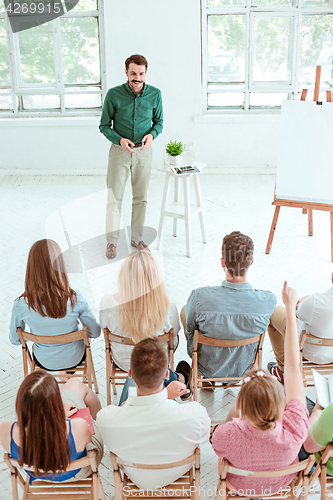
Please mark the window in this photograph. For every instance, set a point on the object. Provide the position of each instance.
(53, 68)
(258, 52)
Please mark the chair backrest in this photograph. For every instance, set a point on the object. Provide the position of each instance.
(183, 487)
(88, 371)
(324, 369)
(200, 339)
(224, 491)
(325, 480)
(119, 339)
(81, 489)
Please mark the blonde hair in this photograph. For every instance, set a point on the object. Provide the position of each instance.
(261, 399)
(141, 293)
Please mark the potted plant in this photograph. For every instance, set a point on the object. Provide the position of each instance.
(174, 149)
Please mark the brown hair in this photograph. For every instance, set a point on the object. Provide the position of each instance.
(149, 363)
(42, 425)
(261, 399)
(47, 289)
(237, 253)
(136, 59)
(144, 303)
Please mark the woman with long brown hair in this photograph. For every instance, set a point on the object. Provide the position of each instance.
(42, 437)
(49, 306)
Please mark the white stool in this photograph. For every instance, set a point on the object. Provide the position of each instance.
(178, 210)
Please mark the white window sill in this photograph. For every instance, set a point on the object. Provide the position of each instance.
(51, 121)
(262, 116)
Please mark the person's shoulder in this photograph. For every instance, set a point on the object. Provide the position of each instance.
(295, 409)
(113, 91)
(108, 301)
(19, 304)
(265, 295)
(106, 415)
(153, 90)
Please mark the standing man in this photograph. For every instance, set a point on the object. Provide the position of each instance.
(132, 118)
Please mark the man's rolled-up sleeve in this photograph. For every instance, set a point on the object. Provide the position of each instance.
(157, 126)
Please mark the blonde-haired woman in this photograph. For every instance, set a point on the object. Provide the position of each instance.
(140, 308)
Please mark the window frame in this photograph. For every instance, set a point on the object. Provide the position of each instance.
(18, 89)
(251, 13)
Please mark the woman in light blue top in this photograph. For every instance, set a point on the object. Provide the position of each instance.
(50, 307)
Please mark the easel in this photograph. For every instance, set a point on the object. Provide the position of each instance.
(307, 207)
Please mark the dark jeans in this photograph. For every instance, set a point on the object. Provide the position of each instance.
(62, 369)
(130, 383)
(302, 454)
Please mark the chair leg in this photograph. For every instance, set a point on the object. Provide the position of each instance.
(94, 377)
(113, 380)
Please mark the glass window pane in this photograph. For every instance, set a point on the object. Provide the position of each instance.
(81, 5)
(226, 99)
(269, 99)
(273, 49)
(272, 3)
(316, 49)
(226, 3)
(36, 54)
(6, 101)
(318, 3)
(226, 48)
(4, 60)
(80, 50)
(41, 102)
(83, 101)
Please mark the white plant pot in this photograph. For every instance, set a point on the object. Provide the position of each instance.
(175, 160)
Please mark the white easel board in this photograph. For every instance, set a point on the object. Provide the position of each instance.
(305, 160)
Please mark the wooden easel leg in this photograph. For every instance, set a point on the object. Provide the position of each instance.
(310, 222)
(273, 227)
(331, 215)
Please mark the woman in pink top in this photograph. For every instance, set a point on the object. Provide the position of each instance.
(268, 434)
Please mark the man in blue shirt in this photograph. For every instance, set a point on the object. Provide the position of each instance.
(231, 311)
(132, 118)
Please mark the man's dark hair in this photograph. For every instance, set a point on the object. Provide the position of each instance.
(136, 59)
(237, 253)
(149, 363)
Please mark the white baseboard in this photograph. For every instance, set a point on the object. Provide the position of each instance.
(103, 171)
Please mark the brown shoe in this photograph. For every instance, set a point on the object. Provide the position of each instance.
(111, 251)
(139, 245)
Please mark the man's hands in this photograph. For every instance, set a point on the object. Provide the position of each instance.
(128, 145)
(147, 139)
(289, 296)
(176, 389)
(125, 144)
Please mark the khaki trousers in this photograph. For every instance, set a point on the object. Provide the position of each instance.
(121, 163)
(276, 331)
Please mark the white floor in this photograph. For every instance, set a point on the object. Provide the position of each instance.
(33, 207)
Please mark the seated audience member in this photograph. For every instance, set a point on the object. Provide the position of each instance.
(320, 433)
(49, 306)
(150, 428)
(315, 314)
(267, 435)
(43, 437)
(231, 311)
(140, 308)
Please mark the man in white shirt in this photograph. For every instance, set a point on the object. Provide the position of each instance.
(152, 428)
(315, 315)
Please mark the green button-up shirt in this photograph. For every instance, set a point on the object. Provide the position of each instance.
(130, 116)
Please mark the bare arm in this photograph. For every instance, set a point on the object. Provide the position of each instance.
(292, 373)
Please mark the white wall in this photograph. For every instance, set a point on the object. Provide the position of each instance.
(167, 32)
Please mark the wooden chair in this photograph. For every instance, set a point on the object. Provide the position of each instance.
(325, 369)
(187, 486)
(115, 375)
(85, 370)
(199, 338)
(326, 481)
(89, 488)
(300, 484)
